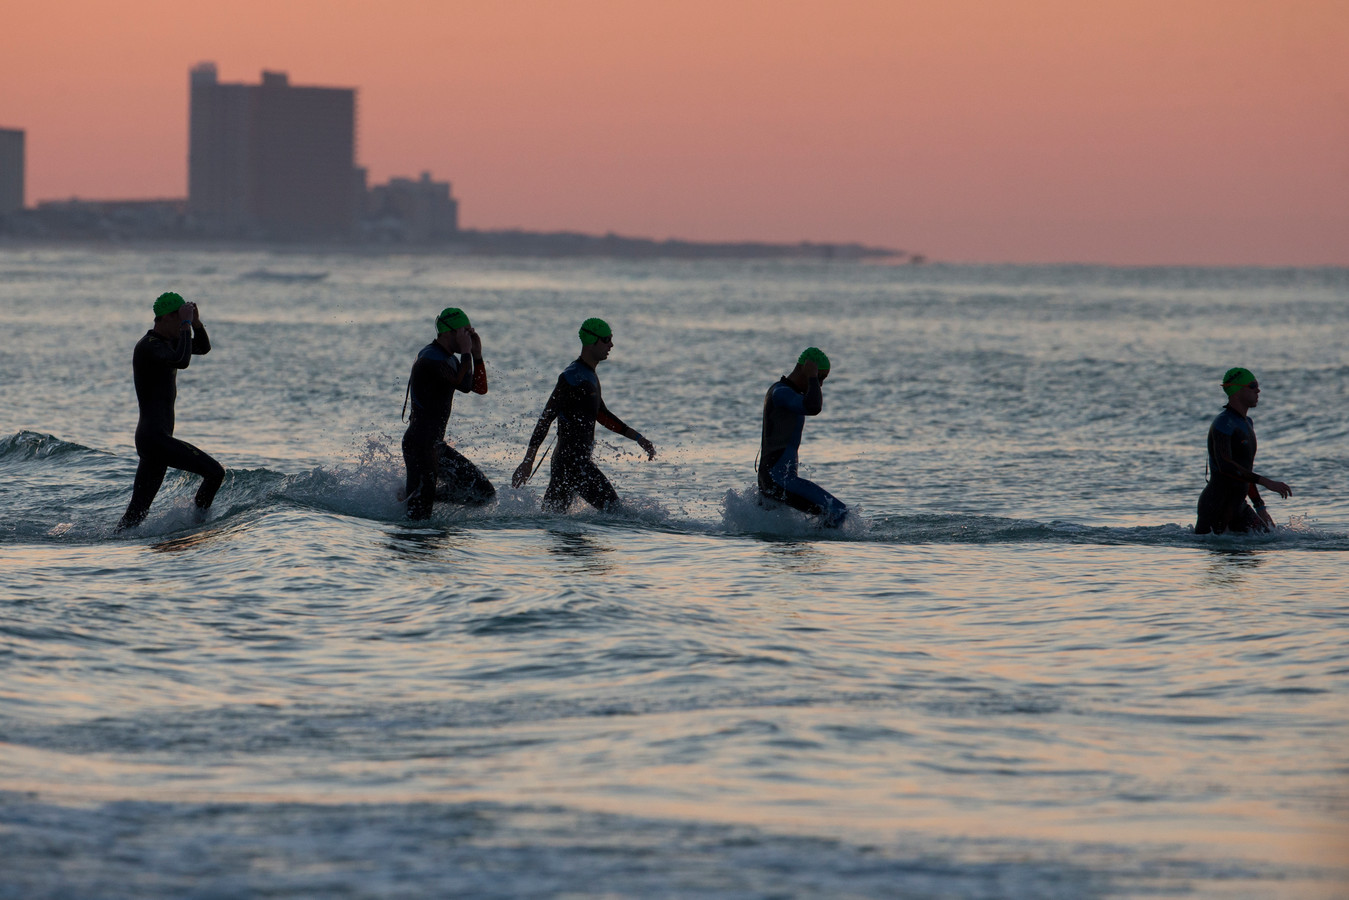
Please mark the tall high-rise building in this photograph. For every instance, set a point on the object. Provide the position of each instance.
(272, 156)
(11, 170)
(220, 127)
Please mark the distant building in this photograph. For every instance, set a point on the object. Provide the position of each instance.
(11, 170)
(419, 211)
(272, 159)
(220, 125)
(106, 218)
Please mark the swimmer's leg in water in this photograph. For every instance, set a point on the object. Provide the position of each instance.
(1220, 513)
(420, 487)
(579, 477)
(149, 477)
(460, 481)
(155, 460)
(808, 497)
(560, 493)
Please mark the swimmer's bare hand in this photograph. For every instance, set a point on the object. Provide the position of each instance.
(476, 343)
(646, 445)
(196, 314)
(522, 472)
(1277, 487)
(1265, 517)
(810, 368)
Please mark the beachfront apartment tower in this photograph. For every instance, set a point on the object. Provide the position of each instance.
(424, 209)
(272, 159)
(11, 170)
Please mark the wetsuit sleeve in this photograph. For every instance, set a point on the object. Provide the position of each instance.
(171, 353)
(465, 376)
(201, 341)
(1225, 464)
(813, 402)
(547, 416)
(810, 403)
(479, 376)
(613, 422)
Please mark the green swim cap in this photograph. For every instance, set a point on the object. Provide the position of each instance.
(815, 355)
(168, 302)
(594, 329)
(450, 318)
(1236, 379)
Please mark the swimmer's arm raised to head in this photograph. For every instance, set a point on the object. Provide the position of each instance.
(176, 353)
(808, 404)
(813, 402)
(479, 365)
(464, 376)
(479, 375)
(201, 341)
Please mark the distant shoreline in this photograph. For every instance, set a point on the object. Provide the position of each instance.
(510, 242)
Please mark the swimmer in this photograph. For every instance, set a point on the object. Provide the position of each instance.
(1231, 461)
(577, 405)
(435, 470)
(169, 346)
(785, 408)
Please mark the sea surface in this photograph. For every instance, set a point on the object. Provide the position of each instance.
(1014, 672)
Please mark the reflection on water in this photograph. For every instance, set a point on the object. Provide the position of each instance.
(211, 534)
(421, 544)
(794, 556)
(588, 555)
(1230, 566)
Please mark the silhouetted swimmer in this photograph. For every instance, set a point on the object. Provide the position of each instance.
(577, 405)
(435, 470)
(785, 408)
(169, 346)
(1231, 462)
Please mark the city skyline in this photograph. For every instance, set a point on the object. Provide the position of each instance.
(273, 155)
(1140, 133)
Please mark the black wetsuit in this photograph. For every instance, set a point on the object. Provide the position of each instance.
(784, 418)
(155, 364)
(435, 470)
(1231, 458)
(577, 405)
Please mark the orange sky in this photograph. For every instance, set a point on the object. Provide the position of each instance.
(1125, 131)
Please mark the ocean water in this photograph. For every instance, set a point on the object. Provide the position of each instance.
(1014, 672)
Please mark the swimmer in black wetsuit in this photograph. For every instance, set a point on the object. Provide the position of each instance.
(436, 471)
(577, 405)
(166, 348)
(785, 408)
(1231, 460)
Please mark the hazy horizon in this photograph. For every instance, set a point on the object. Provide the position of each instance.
(1146, 133)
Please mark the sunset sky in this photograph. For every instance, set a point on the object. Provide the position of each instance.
(1121, 131)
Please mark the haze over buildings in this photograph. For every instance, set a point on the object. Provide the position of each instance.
(276, 161)
(1149, 132)
(279, 160)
